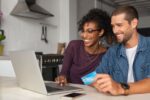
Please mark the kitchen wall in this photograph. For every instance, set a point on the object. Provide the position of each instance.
(104, 6)
(23, 33)
(144, 22)
(84, 6)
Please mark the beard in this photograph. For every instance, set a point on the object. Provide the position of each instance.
(125, 38)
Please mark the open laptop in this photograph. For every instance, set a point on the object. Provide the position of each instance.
(29, 75)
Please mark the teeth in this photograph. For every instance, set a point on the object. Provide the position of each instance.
(86, 40)
(118, 35)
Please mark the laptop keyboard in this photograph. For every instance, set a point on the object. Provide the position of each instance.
(52, 89)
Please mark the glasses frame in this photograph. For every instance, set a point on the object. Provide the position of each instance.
(89, 31)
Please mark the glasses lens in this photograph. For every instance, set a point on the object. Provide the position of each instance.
(88, 31)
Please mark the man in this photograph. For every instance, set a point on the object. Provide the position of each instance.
(125, 68)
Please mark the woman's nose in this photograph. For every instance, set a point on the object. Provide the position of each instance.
(84, 34)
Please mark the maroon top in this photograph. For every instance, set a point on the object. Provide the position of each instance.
(77, 62)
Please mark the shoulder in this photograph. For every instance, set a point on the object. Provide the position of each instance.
(103, 50)
(144, 42)
(114, 48)
(73, 46)
(147, 39)
(113, 51)
(75, 43)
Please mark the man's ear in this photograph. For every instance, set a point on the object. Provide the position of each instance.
(101, 32)
(134, 23)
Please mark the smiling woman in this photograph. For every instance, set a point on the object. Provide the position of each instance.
(82, 56)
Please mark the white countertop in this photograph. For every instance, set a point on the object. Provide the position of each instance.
(6, 68)
(10, 91)
(4, 58)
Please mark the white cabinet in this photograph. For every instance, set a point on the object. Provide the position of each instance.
(6, 68)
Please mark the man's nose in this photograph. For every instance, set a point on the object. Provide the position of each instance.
(115, 30)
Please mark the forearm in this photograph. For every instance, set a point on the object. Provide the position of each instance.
(67, 63)
(140, 87)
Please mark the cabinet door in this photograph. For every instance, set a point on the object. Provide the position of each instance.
(50, 73)
(144, 31)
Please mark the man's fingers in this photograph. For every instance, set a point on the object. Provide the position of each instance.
(101, 76)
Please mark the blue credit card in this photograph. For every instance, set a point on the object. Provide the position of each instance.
(89, 78)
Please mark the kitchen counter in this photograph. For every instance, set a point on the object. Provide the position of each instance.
(4, 58)
(6, 68)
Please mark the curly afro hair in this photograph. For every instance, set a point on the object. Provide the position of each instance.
(102, 20)
(100, 17)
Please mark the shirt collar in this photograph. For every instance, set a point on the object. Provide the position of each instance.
(142, 45)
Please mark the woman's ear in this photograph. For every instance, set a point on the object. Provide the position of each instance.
(101, 32)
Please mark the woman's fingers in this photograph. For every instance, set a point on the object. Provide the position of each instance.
(61, 80)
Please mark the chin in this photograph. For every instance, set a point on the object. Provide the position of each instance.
(87, 45)
(119, 40)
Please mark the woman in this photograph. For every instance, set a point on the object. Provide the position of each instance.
(82, 56)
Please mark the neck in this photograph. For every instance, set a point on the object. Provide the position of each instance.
(93, 49)
(133, 41)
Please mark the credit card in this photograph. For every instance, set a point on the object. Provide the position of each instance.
(89, 78)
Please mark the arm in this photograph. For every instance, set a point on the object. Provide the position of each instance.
(67, 60)
(142, 86)
(104, 83)
(67, 63)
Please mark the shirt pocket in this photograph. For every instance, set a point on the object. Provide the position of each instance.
(145, 70)
(116, 74)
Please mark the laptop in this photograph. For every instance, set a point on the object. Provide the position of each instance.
(29, 76)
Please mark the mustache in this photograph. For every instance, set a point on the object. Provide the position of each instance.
(117, 33)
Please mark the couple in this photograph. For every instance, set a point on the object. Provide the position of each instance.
(125, 67)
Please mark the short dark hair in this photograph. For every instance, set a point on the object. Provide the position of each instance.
(98, 16)
(130, 12)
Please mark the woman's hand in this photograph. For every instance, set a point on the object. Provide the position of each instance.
(61, 80)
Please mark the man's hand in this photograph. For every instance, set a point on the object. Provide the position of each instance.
(104, 83)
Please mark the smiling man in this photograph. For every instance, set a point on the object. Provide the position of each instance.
(125, 68)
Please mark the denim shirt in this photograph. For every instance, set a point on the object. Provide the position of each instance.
(115, 62)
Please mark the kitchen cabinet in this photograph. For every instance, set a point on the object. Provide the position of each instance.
(49, 65)
(6, 68)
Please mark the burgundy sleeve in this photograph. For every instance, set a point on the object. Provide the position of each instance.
(68, 60)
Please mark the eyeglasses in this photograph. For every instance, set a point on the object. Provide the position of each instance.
(89, 31)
